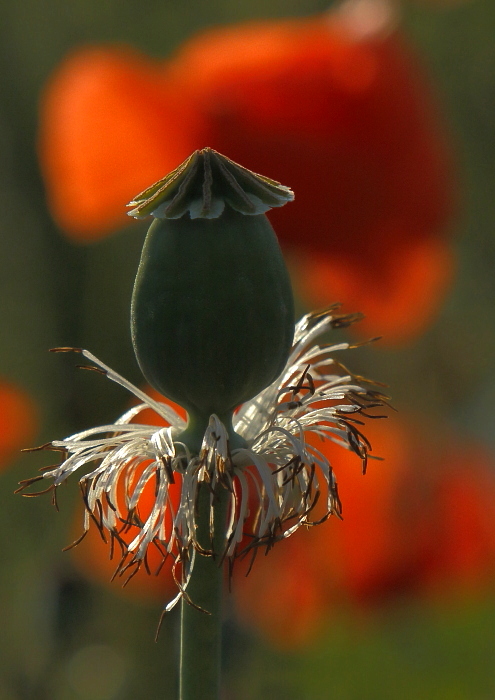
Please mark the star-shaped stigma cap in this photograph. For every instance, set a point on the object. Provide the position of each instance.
(203, 184)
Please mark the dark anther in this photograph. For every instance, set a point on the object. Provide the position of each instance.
(45, 446)
(76, 542)
(93, 369)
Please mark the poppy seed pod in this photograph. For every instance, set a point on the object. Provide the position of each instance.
(212, 314)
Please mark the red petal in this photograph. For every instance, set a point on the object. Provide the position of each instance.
(110, 126)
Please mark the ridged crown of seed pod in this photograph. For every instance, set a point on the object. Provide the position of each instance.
(212, 314)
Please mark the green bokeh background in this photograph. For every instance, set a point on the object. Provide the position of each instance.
(63, 638)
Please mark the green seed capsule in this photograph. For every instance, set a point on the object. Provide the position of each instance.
(212, 315)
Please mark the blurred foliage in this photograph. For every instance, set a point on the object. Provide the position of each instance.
(64, 638)
(409, 652)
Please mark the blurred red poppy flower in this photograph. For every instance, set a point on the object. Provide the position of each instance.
(18, 421)
(422, 522)
(342, 114)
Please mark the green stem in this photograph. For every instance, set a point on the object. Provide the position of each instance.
(197, 424)
(201, 633)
